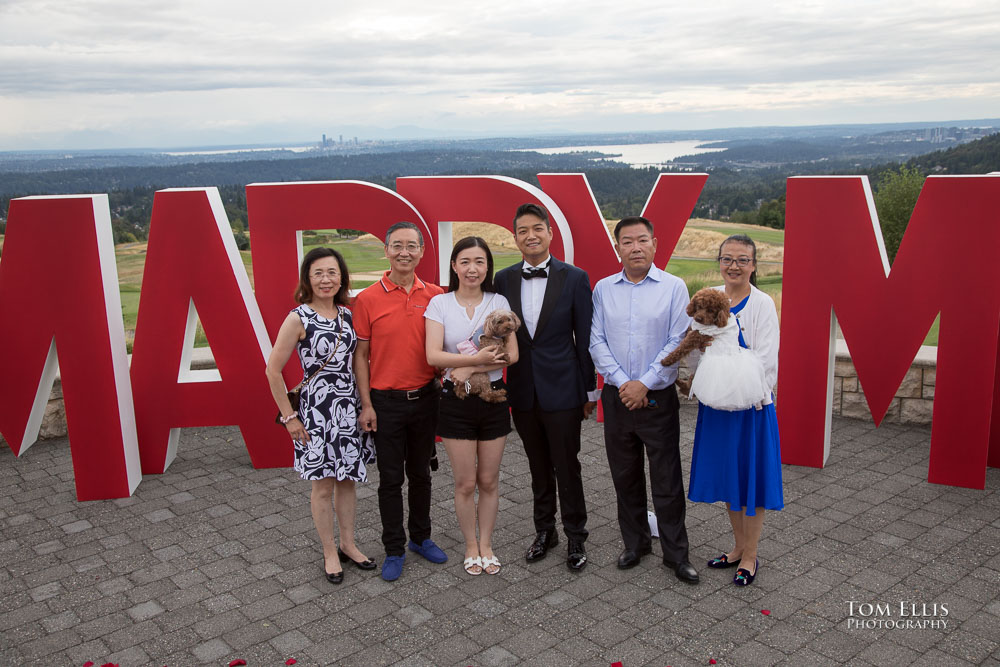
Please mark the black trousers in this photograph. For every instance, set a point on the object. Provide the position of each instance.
(655, 432)
(404, 444)
(552, 444)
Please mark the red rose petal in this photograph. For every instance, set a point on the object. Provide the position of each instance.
(110, 664)
(89, 663)
(290, 661)
(766, 612)
(237, 662)
(711, 661)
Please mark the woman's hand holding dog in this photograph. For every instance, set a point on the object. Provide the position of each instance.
(460, 375)
(489, 356)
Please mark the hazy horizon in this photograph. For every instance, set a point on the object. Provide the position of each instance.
(390, 135)
(110, 73)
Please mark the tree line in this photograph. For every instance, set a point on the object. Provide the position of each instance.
(755, 196)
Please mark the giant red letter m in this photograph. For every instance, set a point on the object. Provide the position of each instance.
(835, 261)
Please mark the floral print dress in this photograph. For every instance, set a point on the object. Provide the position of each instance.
(329, 404)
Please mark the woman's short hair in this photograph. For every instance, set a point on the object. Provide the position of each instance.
(304, 293)
(465, 244)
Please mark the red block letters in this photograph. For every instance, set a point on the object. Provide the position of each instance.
(59, 297)
(835, 259)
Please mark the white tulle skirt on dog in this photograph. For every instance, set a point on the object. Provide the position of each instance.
(729, 377)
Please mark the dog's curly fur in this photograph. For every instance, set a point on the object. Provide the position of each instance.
(708, 306)
(496, 328)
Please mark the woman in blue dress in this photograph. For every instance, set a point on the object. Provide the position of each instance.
(330, 450)
(737, 456)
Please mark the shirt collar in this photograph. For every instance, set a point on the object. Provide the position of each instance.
(388, 285)
(653, 274)
(544, 265)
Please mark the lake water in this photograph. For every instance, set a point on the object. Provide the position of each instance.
(638, 155)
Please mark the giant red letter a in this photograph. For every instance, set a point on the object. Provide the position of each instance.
(193, 263)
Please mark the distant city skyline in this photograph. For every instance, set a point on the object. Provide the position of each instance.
(90, 74)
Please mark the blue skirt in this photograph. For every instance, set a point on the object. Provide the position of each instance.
(737, 459)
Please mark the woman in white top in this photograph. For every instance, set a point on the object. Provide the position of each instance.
(473, 431)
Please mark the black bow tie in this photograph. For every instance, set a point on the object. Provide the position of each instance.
(530, 273)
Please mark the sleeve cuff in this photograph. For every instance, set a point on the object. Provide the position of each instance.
(650, 379)
(594, 396)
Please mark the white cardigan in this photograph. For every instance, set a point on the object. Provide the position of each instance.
(759, 323)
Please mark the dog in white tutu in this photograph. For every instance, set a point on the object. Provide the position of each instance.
(728, 377)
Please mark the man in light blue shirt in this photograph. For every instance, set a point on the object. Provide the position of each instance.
(639, 318)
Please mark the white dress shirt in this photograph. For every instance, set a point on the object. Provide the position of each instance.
(532, 295)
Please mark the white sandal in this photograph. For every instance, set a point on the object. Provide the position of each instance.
(491, 561)
(471, 565)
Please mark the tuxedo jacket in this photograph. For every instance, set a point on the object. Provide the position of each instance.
(555, 363)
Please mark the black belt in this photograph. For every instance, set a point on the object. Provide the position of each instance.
(408, 394)
(448, 385)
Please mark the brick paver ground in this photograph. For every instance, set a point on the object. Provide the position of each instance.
(215, 561)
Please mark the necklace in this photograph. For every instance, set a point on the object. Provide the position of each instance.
(471, 304)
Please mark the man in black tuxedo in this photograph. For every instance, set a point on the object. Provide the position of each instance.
(551, 389)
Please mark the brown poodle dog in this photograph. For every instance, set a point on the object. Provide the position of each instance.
(708, 306)
(496, 328)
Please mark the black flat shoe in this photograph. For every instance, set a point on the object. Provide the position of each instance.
(362, 564)
(334, 578)
(722, 562)
(743, 576)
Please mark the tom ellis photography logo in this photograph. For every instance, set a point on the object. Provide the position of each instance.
(904, 615)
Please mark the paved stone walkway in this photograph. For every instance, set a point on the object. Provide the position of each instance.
(215, 561)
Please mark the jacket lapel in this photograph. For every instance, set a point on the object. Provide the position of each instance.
(553, 288)
(514, 290)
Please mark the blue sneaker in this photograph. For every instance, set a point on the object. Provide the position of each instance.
(429, 550)
(392, 567)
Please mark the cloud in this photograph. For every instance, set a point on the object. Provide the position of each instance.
(184, 65)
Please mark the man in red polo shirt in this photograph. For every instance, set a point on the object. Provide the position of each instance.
(399, 395)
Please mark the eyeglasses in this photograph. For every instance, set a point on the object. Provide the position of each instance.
(740, 261)
(409, 247)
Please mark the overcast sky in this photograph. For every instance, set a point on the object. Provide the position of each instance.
(127, 73)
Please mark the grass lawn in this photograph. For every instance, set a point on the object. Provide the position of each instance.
(763, 234)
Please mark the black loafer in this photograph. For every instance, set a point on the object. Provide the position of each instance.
(577, 557)
(629, 559)
(743, 576)
(684, 571)
(334, 578)
(722, 562)
(362, 564)
(544, 540)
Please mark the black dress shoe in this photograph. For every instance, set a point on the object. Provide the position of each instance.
(577, 557)
(684, 571)
(629, 559)
(362, 564)
(544, 540)
(334, 578)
